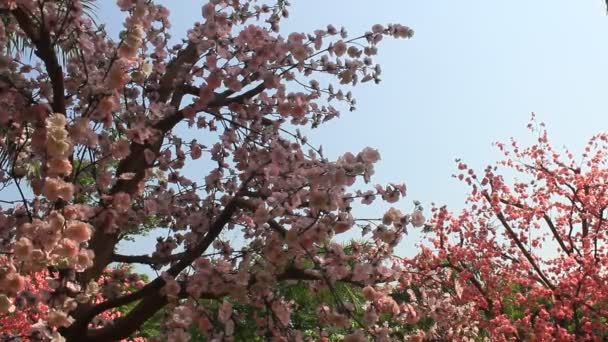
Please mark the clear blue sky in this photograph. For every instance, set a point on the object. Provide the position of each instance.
(471, 75)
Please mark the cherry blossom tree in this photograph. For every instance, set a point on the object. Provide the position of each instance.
(22, 319)
(98, 134)
(527, 260)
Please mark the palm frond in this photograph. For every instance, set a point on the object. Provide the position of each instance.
(18, 44)
(89, 8)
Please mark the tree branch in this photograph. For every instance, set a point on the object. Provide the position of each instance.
(45, 51)
(549, 222)
(241, 202)
(553, 229)
(490, 309)
(146, 259)
(102, 243)
(151, 298)
(519, 244)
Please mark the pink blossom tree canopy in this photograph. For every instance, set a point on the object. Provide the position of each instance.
(99, 134)
(527, 260)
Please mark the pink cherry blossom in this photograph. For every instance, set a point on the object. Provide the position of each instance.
(202, 138)
(78, 231)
